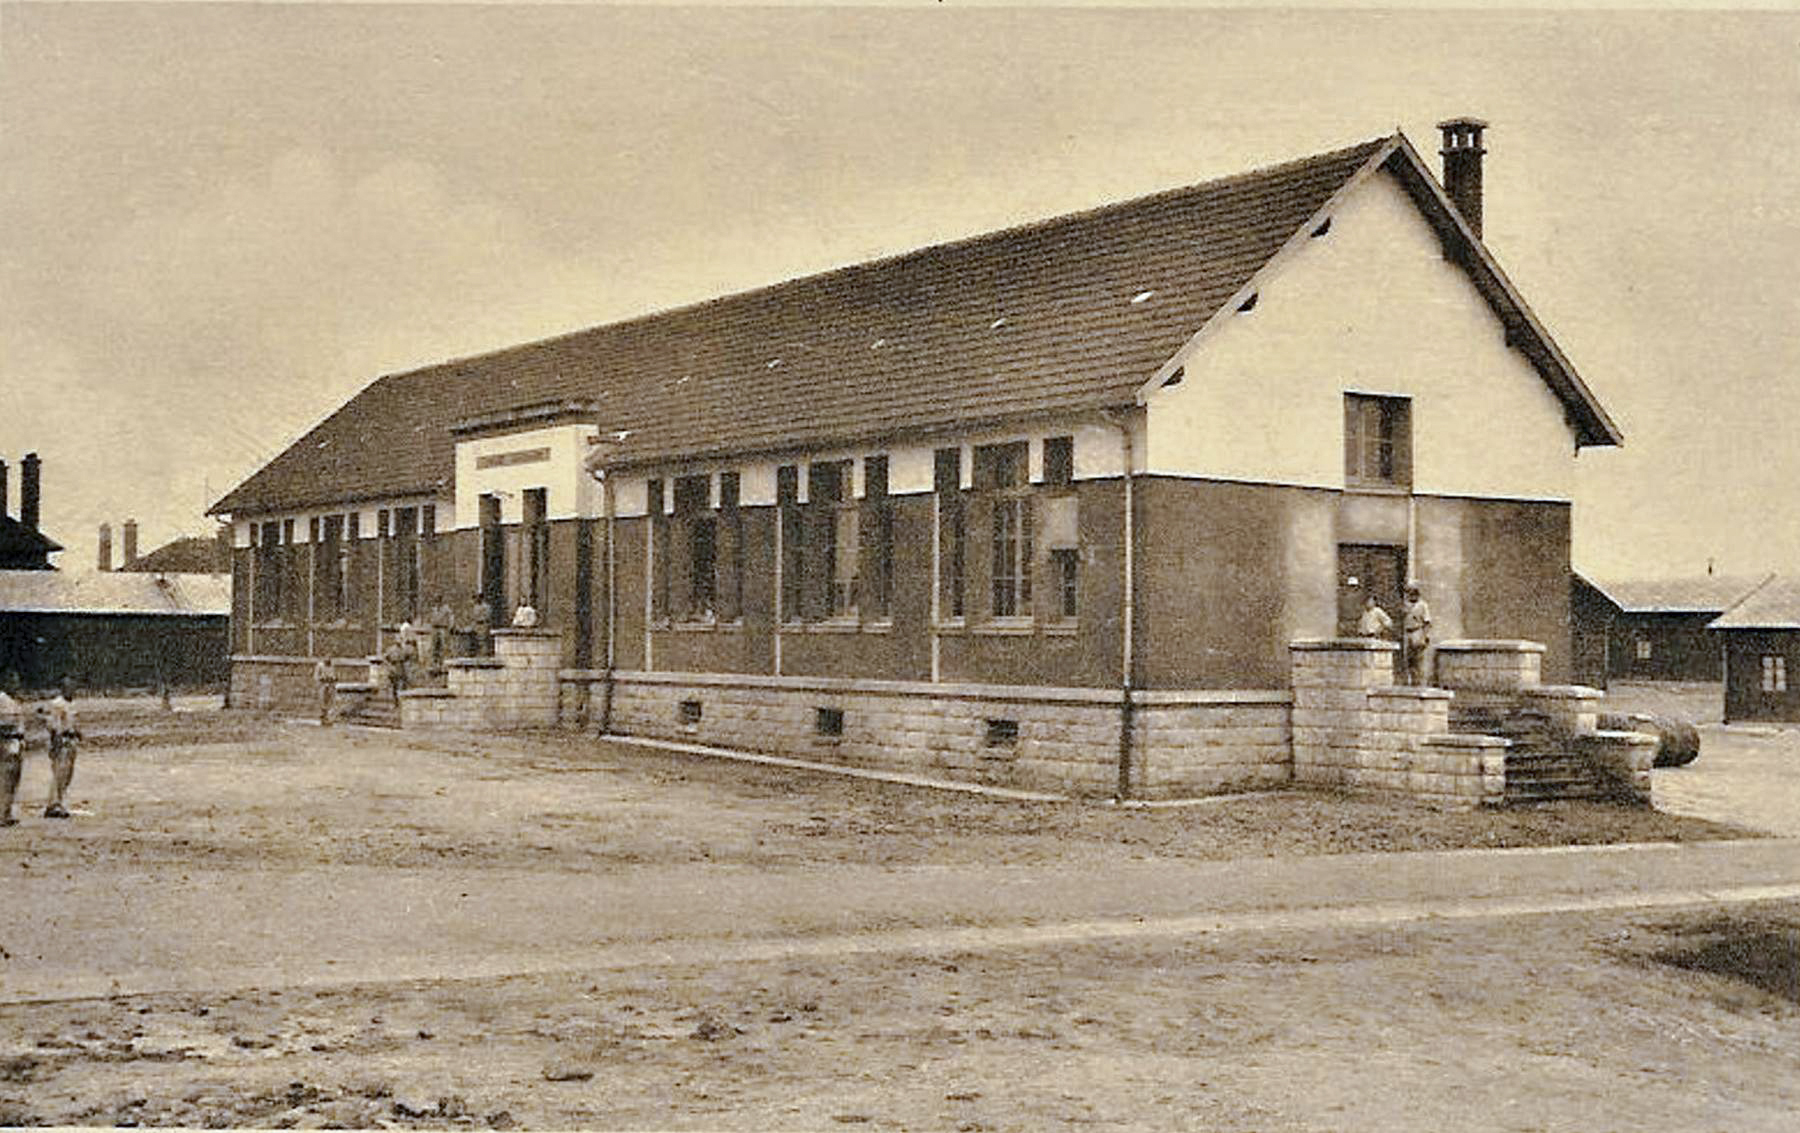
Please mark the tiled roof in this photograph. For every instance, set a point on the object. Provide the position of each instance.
(1030, 320)
(1701, 594)
(111, 592)
(191, 554)
(18, 539)
(1774, 605)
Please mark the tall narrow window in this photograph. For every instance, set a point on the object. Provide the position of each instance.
(293, 592)
(697, 533)
(537, 551)
(406, 563)
(658, 521)
(347, 574)
(793, 541)
(269, 571)
(493, 560)
(329, 603)
(834, 503)
(878, 540)
(1377, 441)
(1774, 673)
(731, 549)
(1060, 529)
(947, 482)
(1000, 472)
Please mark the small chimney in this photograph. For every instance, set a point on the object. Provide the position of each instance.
(28, 490)
(104, 557)
(130, 544)
(5, 507)
(1462, 166)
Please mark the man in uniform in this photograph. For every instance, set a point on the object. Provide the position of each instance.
(12, 755)
(59, 718)
(1416, 627)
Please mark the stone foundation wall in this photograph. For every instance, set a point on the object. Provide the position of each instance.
(1487, 666)
(285, 684)
(1051, 739)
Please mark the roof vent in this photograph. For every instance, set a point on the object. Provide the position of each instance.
(1462, 166)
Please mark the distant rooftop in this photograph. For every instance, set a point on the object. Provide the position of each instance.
(1697, 594)
(112, 592)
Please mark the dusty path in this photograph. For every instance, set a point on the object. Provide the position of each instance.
(309, 929)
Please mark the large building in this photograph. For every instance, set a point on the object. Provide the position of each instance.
(1113, 462)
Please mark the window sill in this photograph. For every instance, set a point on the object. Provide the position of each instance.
(835, 625)
(885, 625)
(951, 626)
(695, 625)
(1007, 627)
(1377, 488)
(1061, 628)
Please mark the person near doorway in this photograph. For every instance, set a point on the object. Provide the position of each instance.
(1416, 628)
(1375, 621)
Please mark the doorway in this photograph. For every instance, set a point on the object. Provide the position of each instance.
(1369, 568)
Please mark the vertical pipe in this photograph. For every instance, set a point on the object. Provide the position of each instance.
(1127, 610)
(612, 609)
(312, 580)
(937, 583)
(780, 573)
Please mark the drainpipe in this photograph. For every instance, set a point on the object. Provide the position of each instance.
(596, 463)
(1127, 611)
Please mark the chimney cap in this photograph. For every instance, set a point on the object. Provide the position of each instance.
(1465, 120)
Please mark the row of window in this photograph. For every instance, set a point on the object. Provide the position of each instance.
(836, 552)
(281, 592)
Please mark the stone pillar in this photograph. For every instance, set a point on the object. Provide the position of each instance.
(1332, 679)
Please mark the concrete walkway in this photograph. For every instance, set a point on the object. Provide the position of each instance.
(127, 932)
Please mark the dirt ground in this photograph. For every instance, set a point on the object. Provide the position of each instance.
(1587, 1022)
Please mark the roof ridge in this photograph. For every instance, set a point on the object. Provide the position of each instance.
(845, 269)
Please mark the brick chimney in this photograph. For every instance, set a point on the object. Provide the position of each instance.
(1462, 166)
(103, 558)
(130, 544)
(28, 490)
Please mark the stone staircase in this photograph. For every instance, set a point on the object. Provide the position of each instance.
(361, 702)
(1540, 765)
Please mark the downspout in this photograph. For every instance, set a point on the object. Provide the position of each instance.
(595, 462)
(1127, 611)
(612, 608)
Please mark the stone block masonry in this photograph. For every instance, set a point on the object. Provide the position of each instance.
(518, 687)
(1353, 728)
(1029, 738)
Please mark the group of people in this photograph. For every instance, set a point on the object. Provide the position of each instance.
(1415, 630)
(423, 648)
(58, 718)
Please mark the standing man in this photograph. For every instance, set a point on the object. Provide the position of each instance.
(12, 754)
(59, 718)
(325, 676)
(1416, 626)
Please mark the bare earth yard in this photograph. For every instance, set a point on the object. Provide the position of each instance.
(1641, 1019)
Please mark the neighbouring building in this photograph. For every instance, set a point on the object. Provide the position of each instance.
(1653, 629)
(22, 545)
(107, 631)
(1046, 505)
(1759, 639)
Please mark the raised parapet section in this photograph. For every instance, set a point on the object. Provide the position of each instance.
(1353, 727)
(1488, 666)
(1622, 762)
(518, 687)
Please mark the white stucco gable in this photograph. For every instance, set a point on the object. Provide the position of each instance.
(1370, 306)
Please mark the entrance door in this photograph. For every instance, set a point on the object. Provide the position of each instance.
(1365, 569)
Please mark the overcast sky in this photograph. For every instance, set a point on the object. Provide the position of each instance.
(219, 222)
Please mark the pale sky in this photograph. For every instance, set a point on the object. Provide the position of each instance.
(217, 223)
